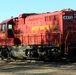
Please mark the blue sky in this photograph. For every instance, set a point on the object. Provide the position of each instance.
(10, 8)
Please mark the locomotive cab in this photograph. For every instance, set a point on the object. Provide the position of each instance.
(7, 28)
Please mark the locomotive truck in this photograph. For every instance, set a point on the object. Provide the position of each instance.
(48, 36)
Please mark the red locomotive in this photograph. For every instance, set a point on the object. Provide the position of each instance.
(48, 35)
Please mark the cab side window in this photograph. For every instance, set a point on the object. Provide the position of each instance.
(3, 27)
(10, 26)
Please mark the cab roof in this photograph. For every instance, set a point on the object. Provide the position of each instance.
(6, 21)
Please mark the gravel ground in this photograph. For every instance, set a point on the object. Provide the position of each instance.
(37, 68)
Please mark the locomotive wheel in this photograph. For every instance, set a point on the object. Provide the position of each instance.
(2, 58)
(53, 54)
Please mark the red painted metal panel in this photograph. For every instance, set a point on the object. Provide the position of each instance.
(42, 25)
